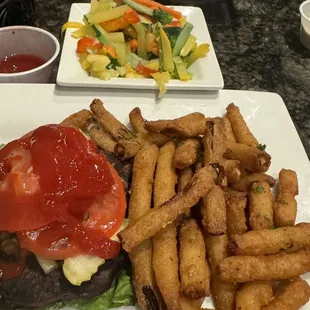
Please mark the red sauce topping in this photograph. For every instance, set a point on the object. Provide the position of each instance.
(20, 63)
(60, 195)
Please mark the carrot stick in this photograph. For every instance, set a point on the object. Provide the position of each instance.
(155, 5)
(133, 44)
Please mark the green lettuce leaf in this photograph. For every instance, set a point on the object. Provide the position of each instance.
(121, 293)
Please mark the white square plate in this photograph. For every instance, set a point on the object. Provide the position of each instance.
(207, 74)
(25, 107)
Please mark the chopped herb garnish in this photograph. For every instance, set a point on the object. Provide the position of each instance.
(261, 147)
(86, 216)
(2, 145)
(259, 189)
(273, 227)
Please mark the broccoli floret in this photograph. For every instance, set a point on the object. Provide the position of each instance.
(173, 33)
(163, 17)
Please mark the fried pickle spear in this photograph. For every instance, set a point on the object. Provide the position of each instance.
(103, 139)
(272, 241)
(158, 218)
(246, 181)
(253, 296)
(239, 269)
(194, 270)
(78, 120)
(140, 202)
(285, 205)
(110, 124)
(260, 206)
(223, 293)
(292, 297)
(191, 125)
(137, 121)
(214, 142)
(251, 158)
(165, 255)
(213, 211)
(186, 153)
(240, 129)
(235, 212)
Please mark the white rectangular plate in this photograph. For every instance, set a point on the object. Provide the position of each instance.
(25, 107)
(207, 74)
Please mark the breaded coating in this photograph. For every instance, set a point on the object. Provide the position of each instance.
(272, 267)
(158, 218)
(254, 295)
(137, 121)
(232, 170)
(187, 304)
(78, 120)
(108, 121)
(186, 153)
(185, 176)
(292, 297)
(245, 182)
(260, 206)
(213, 211)
(235, 212)
(285, 205)
(223, 293)
(103, 139)
(214, 142)
(251, 158)
(228, 132)
(165, 254)
(140, 202)
(272, 241)
(240, 128)
(194, 270)
(191, 125)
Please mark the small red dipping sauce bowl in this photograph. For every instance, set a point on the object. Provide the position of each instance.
(27, 54)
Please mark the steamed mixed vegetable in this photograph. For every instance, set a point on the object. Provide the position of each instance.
(136, 39)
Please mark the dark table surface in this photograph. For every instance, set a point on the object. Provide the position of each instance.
(257, 45)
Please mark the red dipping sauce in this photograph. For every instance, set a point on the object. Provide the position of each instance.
(20, 63)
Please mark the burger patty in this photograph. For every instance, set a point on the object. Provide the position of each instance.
(36, 289)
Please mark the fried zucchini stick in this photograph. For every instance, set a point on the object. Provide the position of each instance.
(187, 304)
(246, 181)
(184, 178)
(214, 143)
(223, 293)
(254, 296)
(251, 158)
(272, 241)
(137, 121)
(108, 121)
(165, 255)
(285, 205)
(78, 120)
(158, 218)
(191, 125)
(140, 202)
(235, 212)
(228, 132)
(232, 170)
(194, 270)
(213, 211)
(103, 139)
(240, 129)
(260, 206)
(294, 295)
(186, 153)
(272, 267)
